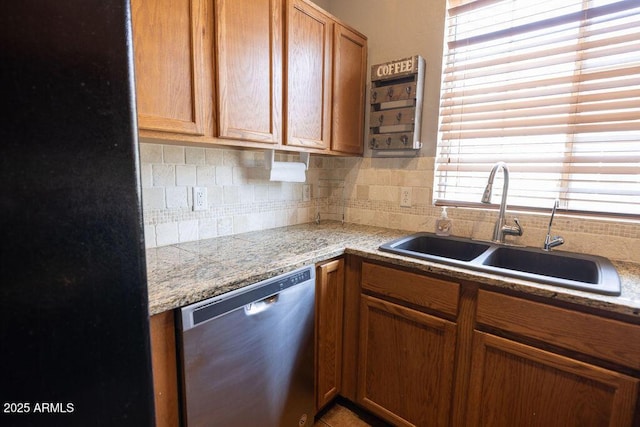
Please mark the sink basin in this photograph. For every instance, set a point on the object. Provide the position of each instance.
(544, 263)
(570, 270)
(565, 269)
(437, 248)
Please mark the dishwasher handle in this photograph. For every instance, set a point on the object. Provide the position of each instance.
(258, 307)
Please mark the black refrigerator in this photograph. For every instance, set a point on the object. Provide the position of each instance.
(74, 329)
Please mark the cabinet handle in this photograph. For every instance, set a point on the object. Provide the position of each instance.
(390, 92)
(399, 116)
(389, 141)
(404, 139)
(381, 118)
(374, 96)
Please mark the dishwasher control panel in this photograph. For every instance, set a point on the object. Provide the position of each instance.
(203, 311)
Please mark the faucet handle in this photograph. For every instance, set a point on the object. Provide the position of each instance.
(513, 230)
(552, 241)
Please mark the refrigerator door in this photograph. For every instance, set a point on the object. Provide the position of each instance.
(73, 300)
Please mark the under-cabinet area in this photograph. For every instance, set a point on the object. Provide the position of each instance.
(281, 74)
(416, 343)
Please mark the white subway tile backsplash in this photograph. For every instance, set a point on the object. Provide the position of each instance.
(150, 236)
(224, 175)
(188, 230)
(232, 157)
(246, 193)
(150, 153)
(261, 192)
(195, 155)
(173, 154)
(225, 226)
(167, 234)
(231, 195)
(153, 198)
(163, 175)
(205, 175)
(275, 191)
(215, 196)
(177, 197)
(146, 176)
(239, 175)
(207, 228)
(213, 156)
(186, 175)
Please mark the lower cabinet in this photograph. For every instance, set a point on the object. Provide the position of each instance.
(329, 319)
(406, 352)
(405, 367)
(436, 353)
(513, 384)
(165, 369)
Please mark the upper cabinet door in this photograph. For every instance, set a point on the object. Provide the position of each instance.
(308, 65)
(168, 44)
(249, 69)
(350, 71)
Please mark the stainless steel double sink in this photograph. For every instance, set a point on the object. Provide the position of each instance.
(565, 269)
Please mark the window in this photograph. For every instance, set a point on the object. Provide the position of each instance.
(552, 88)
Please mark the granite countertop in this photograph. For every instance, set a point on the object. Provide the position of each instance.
(185, 273)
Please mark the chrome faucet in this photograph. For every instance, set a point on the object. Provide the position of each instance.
(501, 229)
(552, 242)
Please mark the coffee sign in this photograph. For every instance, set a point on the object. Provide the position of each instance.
(395, 69)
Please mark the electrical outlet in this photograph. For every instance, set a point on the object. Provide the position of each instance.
(405, 197)
(199, 198)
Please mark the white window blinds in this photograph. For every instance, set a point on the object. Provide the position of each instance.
(552, 88)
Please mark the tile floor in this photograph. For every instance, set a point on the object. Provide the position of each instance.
(343, 415)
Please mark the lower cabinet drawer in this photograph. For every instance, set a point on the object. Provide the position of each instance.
(435, 294)
(606, 339)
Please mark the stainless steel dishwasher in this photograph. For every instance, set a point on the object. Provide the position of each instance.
(247, 356)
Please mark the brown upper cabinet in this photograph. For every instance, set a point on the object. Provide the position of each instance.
(349, 75)
(309, 51)
(248, 55)
(171, 88)
(278, 74)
